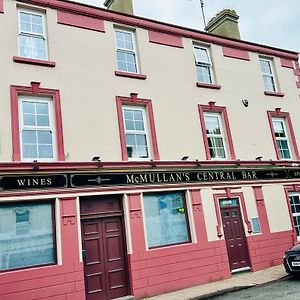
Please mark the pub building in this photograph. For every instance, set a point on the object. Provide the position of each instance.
(139, 157)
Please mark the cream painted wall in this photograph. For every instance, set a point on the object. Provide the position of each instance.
(84, 74)
(209, 214)
(277, 210)
(250, 206)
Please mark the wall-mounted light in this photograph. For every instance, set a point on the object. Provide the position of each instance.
(185, 157)
(96, 158)
(258, 158)
(245, 102)
(35, 166)
(153, 163)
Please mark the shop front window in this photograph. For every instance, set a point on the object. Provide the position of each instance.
(26, 235)
(166, 219)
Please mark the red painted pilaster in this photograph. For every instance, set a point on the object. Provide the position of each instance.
(261, 210)
(69, 232)
(198, 216)
(136, 223)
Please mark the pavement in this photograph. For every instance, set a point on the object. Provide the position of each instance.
(238, 281)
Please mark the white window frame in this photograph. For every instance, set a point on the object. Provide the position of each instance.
(222, 134)
(269, 75)
(33, 34)
(145, 131)
(286, 138)
(200, 63)
(294, 214)
(51, 127)
(133, 51)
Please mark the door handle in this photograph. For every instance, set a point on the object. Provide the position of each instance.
(83, 253)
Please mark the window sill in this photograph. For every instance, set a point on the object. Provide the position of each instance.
(275, 94)
(208, 85)
(130, 75)
(31, 61)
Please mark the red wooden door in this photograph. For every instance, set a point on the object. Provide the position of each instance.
(236, 242)
(105, 258)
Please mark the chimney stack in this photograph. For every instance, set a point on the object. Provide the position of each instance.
(225, 23)
(123, 6)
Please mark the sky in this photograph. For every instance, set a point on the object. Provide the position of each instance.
(274, 23)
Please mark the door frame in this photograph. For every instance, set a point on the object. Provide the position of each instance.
(93, 216)
(244, 217)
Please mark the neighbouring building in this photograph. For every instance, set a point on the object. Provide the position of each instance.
(139, 157)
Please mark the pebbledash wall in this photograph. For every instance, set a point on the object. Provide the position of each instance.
(88, 91)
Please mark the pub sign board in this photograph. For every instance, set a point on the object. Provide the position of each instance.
(73, 180)
(20, 182)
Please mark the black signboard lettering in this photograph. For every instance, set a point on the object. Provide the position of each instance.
(73, 180)
(32, 181)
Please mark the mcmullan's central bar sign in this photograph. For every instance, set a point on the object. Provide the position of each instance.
(72, 180)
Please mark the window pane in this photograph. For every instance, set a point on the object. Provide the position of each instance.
(119, 35)
(201, 55)
(141, 140)
(265, 67)
(42, 108)
(204, 74)
(25, 17)
(166, 219)
(255, 225)
(26, 235)
(139, 125)
(142, 152)
(121, 56)
(28, 107)
(122, 66)
(44, 137)
(33, 47)
(220, 153)
(25, 22)
(29, 151)
(37, 24)
(45, 151)
(129, 125)
(128, 114)
(296, 200)
(278, 128)
(42, 120)
(131, 68)
(29, 136)
(29, 120)
(130, 139)
(138, 115)
(297, 208)
(269, 83)
(212, 124)
(129, 45)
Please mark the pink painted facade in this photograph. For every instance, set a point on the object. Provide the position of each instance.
(105, 205)
(60, 281)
